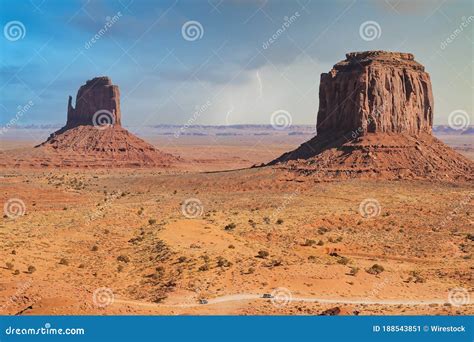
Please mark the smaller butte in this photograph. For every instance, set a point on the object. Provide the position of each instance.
(93, 136)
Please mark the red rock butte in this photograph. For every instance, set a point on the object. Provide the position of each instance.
(93, 136)
(375, 119)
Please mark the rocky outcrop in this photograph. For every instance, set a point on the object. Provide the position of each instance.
(376, 92)
(93, 136)
(375, 121)
(97, 102)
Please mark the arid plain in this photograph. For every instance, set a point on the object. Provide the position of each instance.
(211, 235)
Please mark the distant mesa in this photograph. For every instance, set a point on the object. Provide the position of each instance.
(93, 136)
(375, 119)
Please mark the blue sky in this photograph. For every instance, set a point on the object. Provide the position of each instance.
(164, 78)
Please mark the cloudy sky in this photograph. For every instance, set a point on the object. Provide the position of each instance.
(241, 60)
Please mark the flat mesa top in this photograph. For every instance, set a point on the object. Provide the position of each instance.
(359, 60)
(99, 81)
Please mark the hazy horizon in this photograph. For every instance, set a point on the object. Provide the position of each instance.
(248, 59)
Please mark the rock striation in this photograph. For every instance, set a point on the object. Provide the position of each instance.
(93, 136)
(97, 97)
(375, 119)
(376, 92)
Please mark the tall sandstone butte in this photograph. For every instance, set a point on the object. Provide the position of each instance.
(96, 96)
(94, 137)
(376, 92)
(375, 119)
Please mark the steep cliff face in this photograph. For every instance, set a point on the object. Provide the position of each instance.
(374, 120)
(376, 92)
(98, 95)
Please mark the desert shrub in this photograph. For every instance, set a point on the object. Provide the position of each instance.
(322, 230)
(230, 226)
(231, 247)
(266, 220)
(119, 268)
(262, 254)
(182, 259)
(203, 268)
(94, 248)
(17, 272)
(9, 265)
(343, 260)
(375, 269)
(320, 243)
(151, 222)
(354, 271)
(123, 258)
(309, 242)
(31, 269)
(279, 221)
(223, 262)
(64, 262)
(250, 270)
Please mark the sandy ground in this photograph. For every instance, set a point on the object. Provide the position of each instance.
(158, 242)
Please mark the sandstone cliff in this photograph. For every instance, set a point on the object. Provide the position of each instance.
(374, 120)
(376, 92)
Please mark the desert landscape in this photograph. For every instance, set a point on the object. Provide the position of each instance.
(370, 216)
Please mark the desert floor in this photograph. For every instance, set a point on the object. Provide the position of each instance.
(159, 241)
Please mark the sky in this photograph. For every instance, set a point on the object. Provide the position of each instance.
(238, 61)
